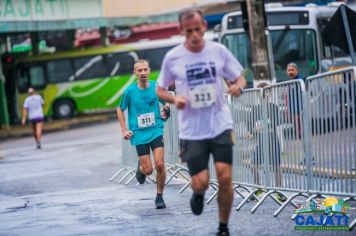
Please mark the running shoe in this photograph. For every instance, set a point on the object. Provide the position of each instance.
(258, 193)
(223, 233)
(281, 198)
(139, 176)
(197, 203)
(160, 203)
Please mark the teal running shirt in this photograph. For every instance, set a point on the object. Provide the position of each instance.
(144, 116)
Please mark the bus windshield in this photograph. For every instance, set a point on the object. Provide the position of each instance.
(291, 45)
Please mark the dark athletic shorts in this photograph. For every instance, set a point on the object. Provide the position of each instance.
(36, 120)
(197, 152)
(144, 149)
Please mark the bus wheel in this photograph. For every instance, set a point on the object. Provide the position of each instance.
(63, 109)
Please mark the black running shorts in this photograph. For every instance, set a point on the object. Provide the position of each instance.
(144, 149)
(197, 152)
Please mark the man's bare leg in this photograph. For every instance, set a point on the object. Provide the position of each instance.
(158, 154)
(225, 193)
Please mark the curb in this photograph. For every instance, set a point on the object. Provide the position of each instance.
(18, 131)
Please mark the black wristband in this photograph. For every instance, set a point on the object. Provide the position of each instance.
(167, 111)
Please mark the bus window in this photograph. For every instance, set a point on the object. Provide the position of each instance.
(90, 67)
(240, 47)
(298, 46)
(121, 63)
(60, 71)
(37, 79)
(154, 56)
(23, 81)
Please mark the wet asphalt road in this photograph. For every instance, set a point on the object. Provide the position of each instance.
(64, 189)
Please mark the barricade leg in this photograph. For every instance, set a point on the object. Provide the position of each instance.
(215, 186)
(246, 199)
(352, 225)
(150, 178)
(238, 192)
(169, 168)
(236, 186)
(185, 187)
(212, 197)
(184, 176)
(130, 179)
(280, 209)
(127, 174)
(116, 174)
(259, 203)
(172, 175)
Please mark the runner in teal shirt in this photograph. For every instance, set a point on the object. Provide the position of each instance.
(144, 115)
(145, 121)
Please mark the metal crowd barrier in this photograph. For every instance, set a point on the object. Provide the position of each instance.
(292, 137)
(307, 140)
(283, 116)
(244, 110)
(331, 101)
(174, 167)
(129, 162)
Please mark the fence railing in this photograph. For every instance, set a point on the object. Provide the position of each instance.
(295, 139)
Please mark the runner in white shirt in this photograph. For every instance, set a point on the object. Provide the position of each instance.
(33, 108)
(198, 69)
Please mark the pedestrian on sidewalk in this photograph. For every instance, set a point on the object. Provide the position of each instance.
(198, 68)
(146, 123)
(33, 109)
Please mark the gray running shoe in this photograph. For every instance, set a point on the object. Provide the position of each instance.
(160, 203)
(139, 176)
(281, 198)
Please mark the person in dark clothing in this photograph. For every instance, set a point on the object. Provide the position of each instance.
(294, 99)
(256, 128)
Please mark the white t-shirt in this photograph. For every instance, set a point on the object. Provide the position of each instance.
(33, 104)
(199, 77)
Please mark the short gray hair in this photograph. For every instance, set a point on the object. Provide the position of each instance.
(293, 65)
(189, 13)
(141, 61)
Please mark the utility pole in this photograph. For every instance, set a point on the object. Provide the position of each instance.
(256, 19)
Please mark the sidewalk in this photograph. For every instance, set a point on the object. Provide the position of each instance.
(17, 131)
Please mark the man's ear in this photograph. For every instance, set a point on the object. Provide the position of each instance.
(205, 23)
(181, 30)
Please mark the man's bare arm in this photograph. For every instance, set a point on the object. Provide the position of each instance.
(236, 88)
(126, 134)
(178, 101)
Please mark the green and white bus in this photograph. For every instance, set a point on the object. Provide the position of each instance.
(87, 80)
(295, 35)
